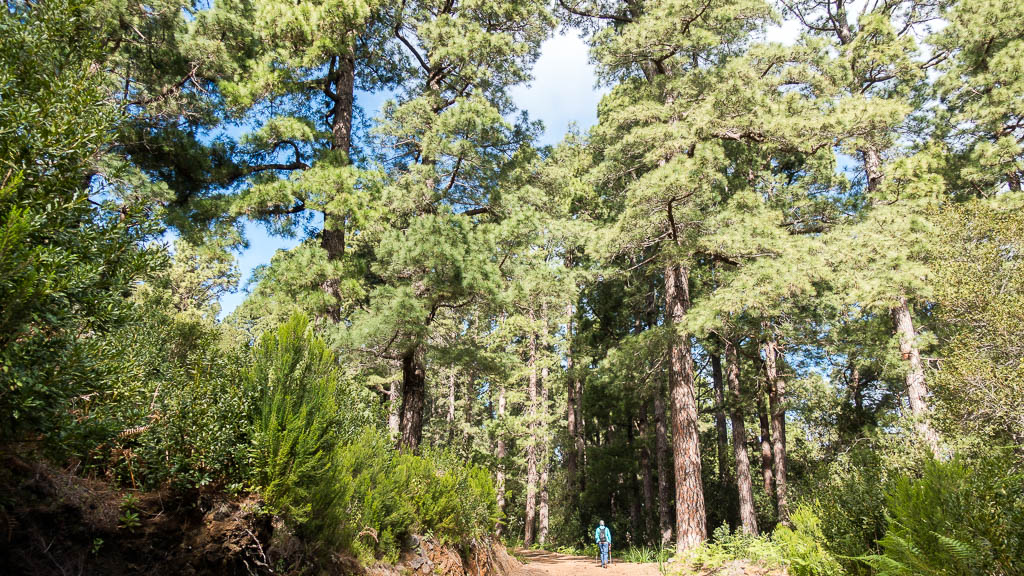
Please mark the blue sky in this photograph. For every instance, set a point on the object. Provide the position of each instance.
(562, 93)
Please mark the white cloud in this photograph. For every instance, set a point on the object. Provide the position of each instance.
(564, 87)
(786, 33)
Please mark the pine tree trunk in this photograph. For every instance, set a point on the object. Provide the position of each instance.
(917, 390)
(451, 409)
(635, 522)
(394, 408)
(646, 479)
(531, 445)
(545, 466)
(414, 392)
(720, 426)
(542, 508)
(748, 516)
(777, 403)
(1013, 181)
(691, 522)
(467, 434)
(581, 444)
(500, 454)
(662, 456)
(766, 444)
(332, 238)
(571, 416)
(873, 168)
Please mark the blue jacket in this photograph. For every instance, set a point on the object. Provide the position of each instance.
(608, 534)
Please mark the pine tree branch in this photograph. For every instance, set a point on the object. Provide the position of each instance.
(415, 52)
(576, 11)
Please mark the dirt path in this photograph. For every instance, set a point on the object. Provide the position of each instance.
(543, 563)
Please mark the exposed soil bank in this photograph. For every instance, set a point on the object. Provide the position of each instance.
(54, 522)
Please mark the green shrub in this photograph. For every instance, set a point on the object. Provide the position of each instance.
(957, 518)
(800, 548)
(724, 547)
(848, 495)
(202, 434)
(372, 498)
(647, 554)
(297, 416)
(68, 263)
(387, 495)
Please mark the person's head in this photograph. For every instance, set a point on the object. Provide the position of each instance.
(601, 523)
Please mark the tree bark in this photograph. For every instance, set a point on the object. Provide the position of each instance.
(691, 522)
(500, 454)
(451, 409)
(332, 238)
(634, 487)
(545, 466)
(646, 479)
(574, 453)
(748, 516)
(917, 389)
(414, 392)
(872, 168)
(662, 456)
(720, 426)
(766, 444)
(777, 404)
(394, 408)
(531, 446)
(467, 433)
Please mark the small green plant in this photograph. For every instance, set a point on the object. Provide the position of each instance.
(97, 543)
(129, 518)
(129, 502)
(645, 554)
(725, 546)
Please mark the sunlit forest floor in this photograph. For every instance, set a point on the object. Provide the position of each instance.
(542, 562)
(545, 563)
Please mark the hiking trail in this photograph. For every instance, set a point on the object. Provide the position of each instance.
(544, 563)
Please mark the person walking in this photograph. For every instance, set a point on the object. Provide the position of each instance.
(603, 537)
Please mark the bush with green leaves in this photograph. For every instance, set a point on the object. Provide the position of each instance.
(202, 435)
(647, 554)
(803, 546)
(386, 495)
(848, 494)
(169, 406)
(297, 420)
(957, 518)
(68, 262)
(800, 548)
(725, 546)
